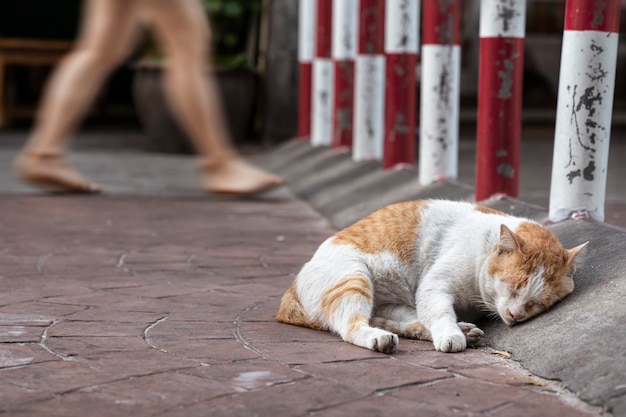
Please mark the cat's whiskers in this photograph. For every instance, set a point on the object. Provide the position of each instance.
(485, 305)
(493, 315)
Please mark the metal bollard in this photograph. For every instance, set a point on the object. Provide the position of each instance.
(344, 39)
(322, 90)
(502, 31)
(401, 55)
(306, 40)
(440, 91)
(369, 93)
(585, 104)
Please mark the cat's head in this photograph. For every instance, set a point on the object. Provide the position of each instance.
(530, 271)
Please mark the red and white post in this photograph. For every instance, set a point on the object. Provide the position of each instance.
(322, 90)
(401, 55)
(306, 42)
(369, 93)
(501, 68)
(440, 91)
(344, 39)
(585, 104)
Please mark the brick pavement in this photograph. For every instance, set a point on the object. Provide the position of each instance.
(150, 306)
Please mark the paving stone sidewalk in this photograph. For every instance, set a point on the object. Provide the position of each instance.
(120, 305)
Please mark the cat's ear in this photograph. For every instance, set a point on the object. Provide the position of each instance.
(575, 251)
(572, 254)
(508, 241)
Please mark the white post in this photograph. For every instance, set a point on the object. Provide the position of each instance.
(369, 86)
(322, 88)
(440, 92)
(345, 19)
(585, 104)
(306, 50)
(402, 40)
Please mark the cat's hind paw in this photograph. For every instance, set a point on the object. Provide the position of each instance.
(473, 335)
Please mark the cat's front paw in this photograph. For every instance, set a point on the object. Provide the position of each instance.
(450, 341)
(473, 335)
(375, 339)
(385, 343)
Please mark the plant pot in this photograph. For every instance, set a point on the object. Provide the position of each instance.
(237, 89)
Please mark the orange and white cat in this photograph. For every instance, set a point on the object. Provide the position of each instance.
(411, 268)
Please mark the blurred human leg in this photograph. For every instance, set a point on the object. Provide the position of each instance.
(107, 31)
(182, 28)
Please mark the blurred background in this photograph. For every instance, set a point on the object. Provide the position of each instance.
(255, 58)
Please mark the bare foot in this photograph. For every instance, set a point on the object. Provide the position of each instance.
(51, 172)
(237, 178)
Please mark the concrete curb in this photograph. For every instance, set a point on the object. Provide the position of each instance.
(580, 342)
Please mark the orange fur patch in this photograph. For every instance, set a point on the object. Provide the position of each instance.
(292, 312)
(417, 330)
(546, 250)
(538, 247)
(350, 287)
(393, 228)
(355, 323)
(414, 330)
(489, 210)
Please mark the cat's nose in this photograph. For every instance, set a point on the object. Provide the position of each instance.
(516, 316)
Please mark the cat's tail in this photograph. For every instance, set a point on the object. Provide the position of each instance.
(410, 329)
(291, 310)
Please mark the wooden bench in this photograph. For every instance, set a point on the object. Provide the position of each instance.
(29, 53)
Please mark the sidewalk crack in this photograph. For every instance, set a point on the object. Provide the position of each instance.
(121, 263)
(147, 338)
(43, 344)
(237, 332)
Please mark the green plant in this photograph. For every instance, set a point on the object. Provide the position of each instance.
(231, 21)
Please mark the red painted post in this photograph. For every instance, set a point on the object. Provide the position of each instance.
(345, 18)
(306, 41)
(322, 102)
(440, 91)
(584, 109)
(501, 65)
(369, 92)
(401, 56)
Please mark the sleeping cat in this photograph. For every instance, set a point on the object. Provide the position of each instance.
(410, 268)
